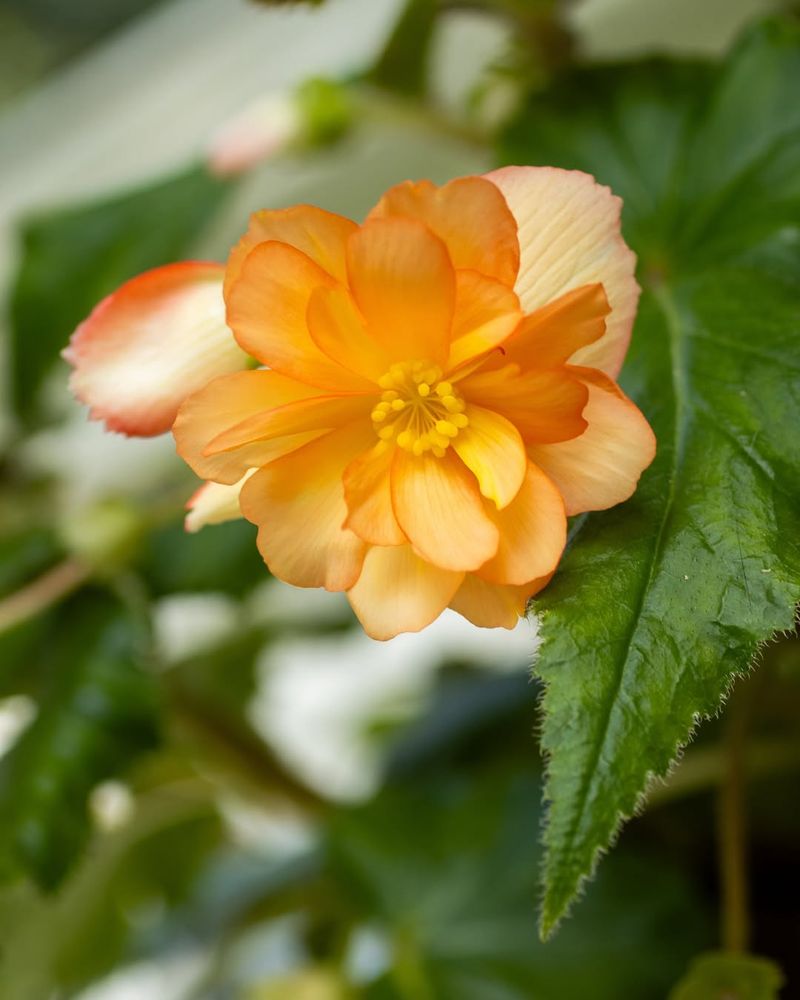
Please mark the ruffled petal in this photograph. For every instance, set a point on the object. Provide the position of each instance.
(533, 533)
(548, 337)
(439, 508)
(569, 235)
(318, 414)
(468, 214)
(399, 592)
(226, 402)
(601, 467)
(492, 449)
(486, 312)
(338, 329)
(318, 234)
(492, 605)
(368, 495)
(544, 406)
(149, 344)
(267, 307)
(298, 504)
(214, 503)
(403, 282)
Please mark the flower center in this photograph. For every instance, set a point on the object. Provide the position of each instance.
(418, 410)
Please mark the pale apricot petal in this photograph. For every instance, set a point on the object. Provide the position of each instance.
(149, 344)
(533, 532)
(399, 592)
(486, 312)
(318, 234)
(317, 414)
(267, 307)
(298, 504)
(601, 467)
(548, 337)
(368, 495)
(468, 214)
(338, 329)
(404, 285)
(214, 503)
(569, 235)
(228, 401)
(438, 506)
(492, 449)
(492, 605)
(542, 405)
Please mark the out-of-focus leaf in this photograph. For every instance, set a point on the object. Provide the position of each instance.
(663, 601)
(308, 984)
(123, 898)
(74, 257)
(456, 901)
(723, 976)
(403, 64)
(220, 557)
(99, 713)
(23, 557)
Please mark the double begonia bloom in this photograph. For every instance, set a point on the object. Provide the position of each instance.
(437, 392)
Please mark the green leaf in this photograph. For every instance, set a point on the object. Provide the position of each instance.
(721, 976)
(99, 713)
(662, 602)
(73, 257)
(403, 64)
(456, 901)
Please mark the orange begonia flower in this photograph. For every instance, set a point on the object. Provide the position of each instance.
(437, 391)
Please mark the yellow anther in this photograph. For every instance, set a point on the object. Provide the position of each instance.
(405, 439)
(386, 381)
(460, 420)
(419, 446)
(444, 389)
(378, 415)
(446, 428)
(424, 389)
(439, 440)
(386, 433)
(390, 395)
(398, 405)
(451, 404)
(438, 452)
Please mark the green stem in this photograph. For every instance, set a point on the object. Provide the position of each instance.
(50, 588)
(732, 829)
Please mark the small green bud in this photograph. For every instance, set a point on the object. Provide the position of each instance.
(326, 110)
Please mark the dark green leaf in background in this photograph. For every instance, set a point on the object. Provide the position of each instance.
(721, 976)
(403, 64)
(99, 713)
(72, 258)
(663, 601)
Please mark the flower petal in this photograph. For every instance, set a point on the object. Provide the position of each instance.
(149, 344)
(468, 214)
(298, 503)
(224, 403)
(338, 329)
(267, 312)
(319, 413)
(533, 533)
(492, 605)
(548, 337)
(399, 592)
(492, 449)
(438, 506)
(318, 234)
(214, 503)
(368, 494)
(601, 467)
(569, 235)
(486, 312)
(544, 406)
(403, 282)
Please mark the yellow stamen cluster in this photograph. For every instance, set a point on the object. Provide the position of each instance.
(418, 410)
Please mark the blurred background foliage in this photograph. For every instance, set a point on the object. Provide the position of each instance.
(213, 787)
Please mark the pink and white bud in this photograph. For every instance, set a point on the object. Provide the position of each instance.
(214, 503)
(258, 132)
